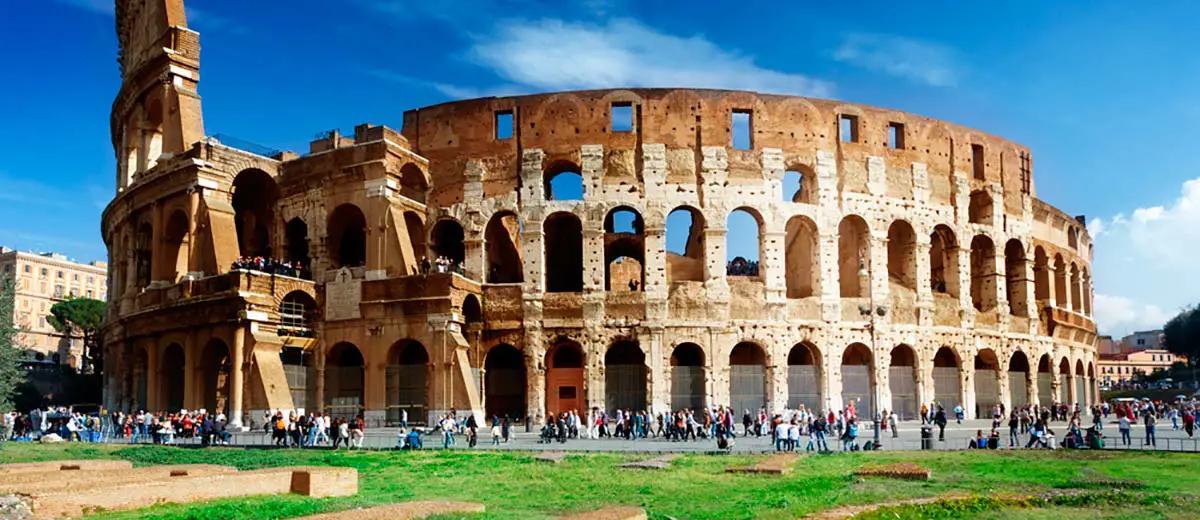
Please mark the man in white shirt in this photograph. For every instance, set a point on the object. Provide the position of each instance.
(781, 435)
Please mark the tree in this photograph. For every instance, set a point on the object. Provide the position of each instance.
(10, 351)
(82, 317)
(1181, 336)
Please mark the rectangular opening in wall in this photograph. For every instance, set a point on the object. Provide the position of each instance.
(504, 124)
(848, 128)
(977, 161)
(622, 117)
(741, 130)
(896, 136)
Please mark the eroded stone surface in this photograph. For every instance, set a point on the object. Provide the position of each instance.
(402, 511)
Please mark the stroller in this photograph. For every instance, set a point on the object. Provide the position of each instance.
(547, 435)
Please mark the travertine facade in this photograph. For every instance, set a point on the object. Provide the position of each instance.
(913, 263)
(42, 280)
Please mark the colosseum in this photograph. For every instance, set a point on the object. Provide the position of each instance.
(527, 255)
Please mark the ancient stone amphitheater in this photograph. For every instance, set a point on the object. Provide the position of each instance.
(585, 239)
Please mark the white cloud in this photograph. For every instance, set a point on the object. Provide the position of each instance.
(915, 60)
(553, 54)
(1146, 264)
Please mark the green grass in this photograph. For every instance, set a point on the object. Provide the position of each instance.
(514, 485)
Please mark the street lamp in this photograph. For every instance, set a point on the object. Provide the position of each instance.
(870, 311)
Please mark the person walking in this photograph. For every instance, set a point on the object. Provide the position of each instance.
(892, 421)
(1125, 428)
(1150, 422)
(940, 420)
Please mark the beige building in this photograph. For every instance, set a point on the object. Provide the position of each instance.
(1115, 368)
(41, 280)
(1143, 340)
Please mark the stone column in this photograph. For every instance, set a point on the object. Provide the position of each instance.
(191, 397)
(535, 370)
(237, 377)
(832, 382)
(831, 303)
(773, 265)
(319, 372)
(777, 384)
(193, 216)
(659, 383)
(877, 255)
(474, 261)
(714, 259)
(967, 383)
(156, 249)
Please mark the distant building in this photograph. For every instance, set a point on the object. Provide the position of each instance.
(1123, 366)
(1106, 345)
(41, 280)
(1143, 340)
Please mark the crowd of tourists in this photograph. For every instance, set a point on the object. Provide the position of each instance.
(295, 269)
(442, 265)
(741, 267)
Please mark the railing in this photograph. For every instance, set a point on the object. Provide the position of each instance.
(244, 145)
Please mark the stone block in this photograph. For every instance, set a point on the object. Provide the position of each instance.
(56, 481)
(325, 482)
(64, 465)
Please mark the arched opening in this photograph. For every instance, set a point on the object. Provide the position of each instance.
(1072, 238)
(854, 257)
(947, 381)
(295, 232)
(799, 185)
(412, 182)
(1081, 395)
(563, 181)
(801, 258)
(1076, 293)
(296, 312)
(1018, 380)
(472, 312)
(215, 367)
(504, 382)
(1066, 391)
(564, 253)
(1041, 275)
(980, 210)
(743, 242)
(140, 375)
(299, 371)
(685, 245)
(624, 250)
(1016, 278)
(687, 377)
(747, 377)
(344, 389)
(564, 378)
(176, 246)
(150, 138)
(143, 245)
(1045, 380)
(983, 273)
(171, 378)
(804, 377)
(502, 240)
(902, 256)
(1060, 282)
(857, 380)
(624, 377)
(943, 261)
(446, 242)
(254, 195)
(987, 383)
(415, 225)
(407, 382)
(347, 231)
(902, 380)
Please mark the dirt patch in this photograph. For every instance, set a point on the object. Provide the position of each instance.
(659, 462)
(611, 513)
(402, 511)
(779, 464)
(852, 511)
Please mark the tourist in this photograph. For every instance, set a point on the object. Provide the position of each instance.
(447, 426)
(892, 421)
(849, 440)
(1124, 427)
(924, 413)
(1150, 422)
(1014, 438)
(940, 420)
(978, 441)
(793, 435)
(959, 413)
(781, 436)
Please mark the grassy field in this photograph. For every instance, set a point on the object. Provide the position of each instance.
(514, 485)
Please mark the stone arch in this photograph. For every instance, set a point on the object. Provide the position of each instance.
(504, 382)
(299, 371)
(983, 273)
(805, 377)
(564, 377)
(685, 245)
(413, 183)
(171, 378)
(854, 256)
(297, 310)
(688, 377)
(139, 373)
(254, 196)
(415, 225)
(1086, 290)
(1076, 289)
(902, 255)
(799, 185)
(176, 246)
(747, 377)
(347, 232)
(943, 261)
(472, 311)
(502, 241)
(1060, 282)
(1081, 394)
(344, 381)
(143, 254)
(624, 250)
(802, 273)
(295, 234)
(1045, 380)
(446, 241)
(740, 260)
(1073, 238)
(215, 369)
(858, 379)
(563, 180)
(625, 377)
(1016, 282)
(902, 381)
(981, 208)
(408, 368)
(947, 378)
(1018, 380)
(987, 383)
(1041, 274)
(563, 259)
(1066, 391)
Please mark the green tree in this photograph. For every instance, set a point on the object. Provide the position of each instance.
(10, 351)
(1181, 336)
(81, 317)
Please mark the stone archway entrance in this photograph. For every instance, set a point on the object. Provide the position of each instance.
(344, 381)
(747, 378)
(216, 366)
(687, 377)
(625, 377)
(504, 382)
(564, 378)
(407, 382)
(171, 378)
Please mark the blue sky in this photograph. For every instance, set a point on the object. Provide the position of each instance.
(1105, 93)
